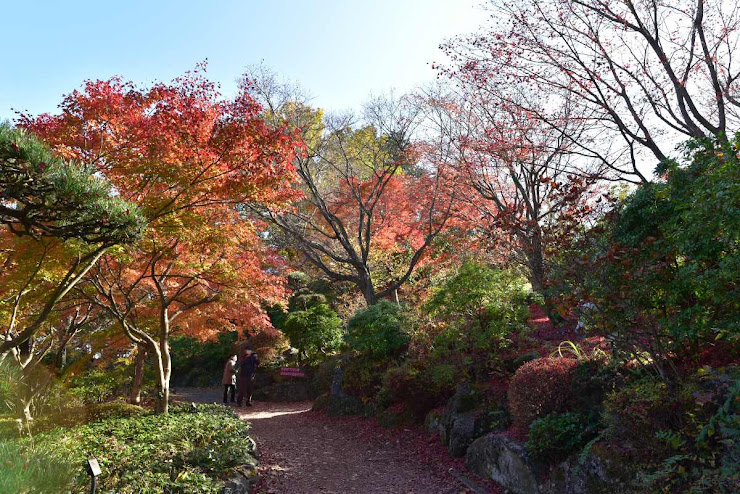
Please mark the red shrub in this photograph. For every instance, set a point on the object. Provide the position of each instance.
(540, 387)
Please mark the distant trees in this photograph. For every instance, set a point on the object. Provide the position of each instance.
(371, 206)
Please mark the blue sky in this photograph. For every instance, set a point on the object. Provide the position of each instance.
(338, 50)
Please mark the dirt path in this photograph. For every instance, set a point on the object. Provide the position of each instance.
(304, 452)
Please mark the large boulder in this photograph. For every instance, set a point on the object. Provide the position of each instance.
(600, 471)
(457, 425)
(461, 434)
(504, 460)
(507, 461)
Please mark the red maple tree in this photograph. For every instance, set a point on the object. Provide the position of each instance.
(191, 160)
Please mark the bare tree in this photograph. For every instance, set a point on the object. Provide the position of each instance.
(646, 75)
(520, 184)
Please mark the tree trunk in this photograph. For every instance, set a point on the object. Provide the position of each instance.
(536, 265)
(165, 362)
(163, 391)
(163, 398)
(366, 286)
(536, 262)
(135, 396)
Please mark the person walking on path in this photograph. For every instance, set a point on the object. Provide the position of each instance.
(247, 366)
(229, 379)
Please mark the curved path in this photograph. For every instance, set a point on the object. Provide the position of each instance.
(304, 452)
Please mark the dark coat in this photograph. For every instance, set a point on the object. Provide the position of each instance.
(247, 365)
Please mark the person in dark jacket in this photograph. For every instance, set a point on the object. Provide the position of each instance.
(247, 366)
(229, 379)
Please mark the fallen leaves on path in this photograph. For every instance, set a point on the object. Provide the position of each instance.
(305, 452)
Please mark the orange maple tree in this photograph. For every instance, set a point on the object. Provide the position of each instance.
(190, 159)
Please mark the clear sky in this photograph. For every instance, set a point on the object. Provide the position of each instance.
(338, 50)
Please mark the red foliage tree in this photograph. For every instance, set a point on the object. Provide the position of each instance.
(521, 189)
(190, 160)
(372, 204)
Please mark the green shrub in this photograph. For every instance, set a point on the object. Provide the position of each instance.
(635, 412)
(74, 414)
(592, 381)
(490, 420)
(557, 435)
(482, 295)
(28, 469)
(479, 309)
(316, 331)
(104, 383)
(362, 376)
(663, 267)
(419, 385)
(97, 386)
(704, 454)
(113, 410)
(57, 406)
(443, 377)
(183, 451)
(379, 330)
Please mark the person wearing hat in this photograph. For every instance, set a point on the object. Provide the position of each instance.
(247, 366)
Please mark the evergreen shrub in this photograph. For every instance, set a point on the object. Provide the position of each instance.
(555, 436)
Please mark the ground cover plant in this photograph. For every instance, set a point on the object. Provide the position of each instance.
(188, 450)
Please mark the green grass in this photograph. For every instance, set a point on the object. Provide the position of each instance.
(25, 468)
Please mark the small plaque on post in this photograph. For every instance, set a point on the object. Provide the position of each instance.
(93, 468)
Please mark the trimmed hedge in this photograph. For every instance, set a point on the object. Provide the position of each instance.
(541, 387)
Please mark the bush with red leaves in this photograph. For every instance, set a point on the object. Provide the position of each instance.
(540, 387)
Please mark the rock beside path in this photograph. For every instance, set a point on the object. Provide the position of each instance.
(505, 460)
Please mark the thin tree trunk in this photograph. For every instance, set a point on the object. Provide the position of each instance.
(163, 392)
(135, 396)
(24, 409)
(165, 362)
(536, 263)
